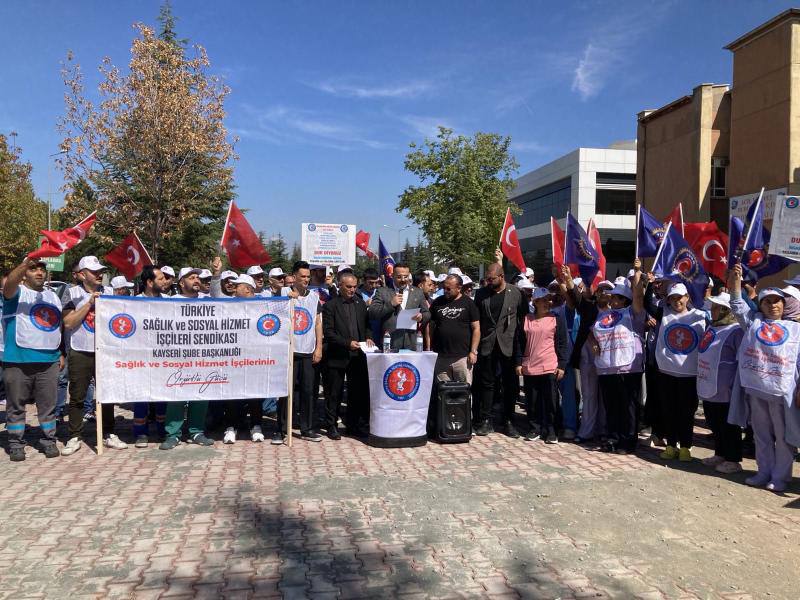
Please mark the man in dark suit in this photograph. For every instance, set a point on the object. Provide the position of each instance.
(344, 325)
(387, 303)
(502, 309)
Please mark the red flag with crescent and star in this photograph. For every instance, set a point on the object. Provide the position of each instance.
(55, 243)
(594, 237)
(509, 243)
(129, 257)
(710, 244)
(240, 241)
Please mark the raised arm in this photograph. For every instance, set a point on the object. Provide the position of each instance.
(739, 307)
(15, 278)
(637, 287)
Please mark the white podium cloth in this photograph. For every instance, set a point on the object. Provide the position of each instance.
(400, 391)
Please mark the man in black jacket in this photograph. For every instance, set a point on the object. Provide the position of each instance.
(502, 308)
(345, 324)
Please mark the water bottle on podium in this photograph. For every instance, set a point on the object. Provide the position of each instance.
(419, 342)
(387, 342)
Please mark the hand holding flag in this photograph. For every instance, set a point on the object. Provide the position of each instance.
(579, 250)
(130, 257)
(387, 263)
(675, 260)
(240, 241)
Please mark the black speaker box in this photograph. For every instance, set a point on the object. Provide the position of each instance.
(453, 412)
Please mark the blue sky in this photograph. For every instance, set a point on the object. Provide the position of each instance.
(326, 96)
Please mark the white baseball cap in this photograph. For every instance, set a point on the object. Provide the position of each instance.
(466, 280)
(722, 299)
(167, 270)
(343, 267)
(276, 272)
(255, 270)
(246, 279)
(792, 291)
(621, 281)
(677, 289)
(229, 275)
(120, 282)
(620, 289)
(430, 274)
(90, 263)
(605, 284)
(578, 281)
(770, 291)
(539, 293)
(188, 271)
(455, 271)
(441, 277)
(528, 272)
(524, 284)
(205, 274)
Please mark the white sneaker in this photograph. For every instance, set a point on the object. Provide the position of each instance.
(71, 447)
(230, 436)
(256, 435)
(713, 461)
(112, 441)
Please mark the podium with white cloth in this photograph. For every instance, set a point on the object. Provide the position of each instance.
(400, 392)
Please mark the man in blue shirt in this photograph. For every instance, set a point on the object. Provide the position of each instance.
(32, 357)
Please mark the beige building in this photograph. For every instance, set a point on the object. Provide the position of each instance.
(715, 149)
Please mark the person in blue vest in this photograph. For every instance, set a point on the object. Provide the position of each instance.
(32, 354)
(716, 372)
(769, 367)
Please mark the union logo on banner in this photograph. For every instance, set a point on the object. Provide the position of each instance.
(45, 317)
(122, 325)
(708, 338)
(772, 334)
(792, 202)
(609, 320)
(401, 381)
(88, 322)
(686, 264)
(302, 320)
(268, 324)
(680, 338)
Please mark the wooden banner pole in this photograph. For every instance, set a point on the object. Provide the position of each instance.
(289, 398)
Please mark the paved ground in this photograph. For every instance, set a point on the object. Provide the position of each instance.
(494, 518)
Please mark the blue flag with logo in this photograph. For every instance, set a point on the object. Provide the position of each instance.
(677, 261)
(757, 262)
(649, 233)
(387, 263)
(735, 240)
(579, 251)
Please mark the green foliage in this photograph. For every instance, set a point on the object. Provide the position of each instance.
(276, 246)
(23, 214)
(462, 199)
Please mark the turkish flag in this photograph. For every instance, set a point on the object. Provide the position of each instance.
(130, 257)
(710, 244)
(676, 218)
(509, 243)
(594, 237)
(240, 242)
(58, 242)
(557, 243)
(362, 243)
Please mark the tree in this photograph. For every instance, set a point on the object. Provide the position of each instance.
(154, 150)
(277, 249)
(462, 198)
(24, 215)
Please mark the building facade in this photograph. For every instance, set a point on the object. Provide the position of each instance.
(598, 183)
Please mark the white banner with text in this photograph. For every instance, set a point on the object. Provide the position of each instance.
(185, 349)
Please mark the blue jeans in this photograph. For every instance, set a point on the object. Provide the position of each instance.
(270, 406)
(569, 404)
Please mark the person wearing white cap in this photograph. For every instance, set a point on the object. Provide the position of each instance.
(31, 354)
(205, 283)
(530, 275)
(121, 286)
(769, 367)
(195, 412)
(169, 278)
(257, 273)
(79, 327)
(276, 278)
(544, 353)
(616, 340)
(716, 372)
(680, 331)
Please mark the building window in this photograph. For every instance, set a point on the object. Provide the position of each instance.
(615, 202)
(718, 173)
(539, 205)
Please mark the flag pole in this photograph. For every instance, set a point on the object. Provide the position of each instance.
(755, 210)
(290, 396)
(683, 223)
(661, 245)
(225, 226)
(638, 212)
(143, 247)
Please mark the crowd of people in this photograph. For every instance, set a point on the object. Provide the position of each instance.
(596, 363)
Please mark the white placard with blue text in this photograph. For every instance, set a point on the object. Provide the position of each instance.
(328, 243)
(785, 239)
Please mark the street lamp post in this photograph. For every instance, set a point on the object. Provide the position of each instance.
(398, 230)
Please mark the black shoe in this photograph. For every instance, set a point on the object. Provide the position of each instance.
(277, 438)
(511, 431)
(17, 454)
(201, 440)
(485, 428)
(51, 451)
(551, 436)
(333, 433)
(311, 436)
(169, 443)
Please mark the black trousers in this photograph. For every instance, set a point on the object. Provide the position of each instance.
(355, 371)
(81, 372)
(489, 367)
(303, 394)
(236, 411)
(652, 408)
(540, 398)
(727, 437)
(678, 405)
(621, 393)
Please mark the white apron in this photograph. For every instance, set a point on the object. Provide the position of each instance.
(305, 314)
(82, 337)
(709, 353)
(613, 331)
(38, 319)
(678, 338)
(768, 356)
